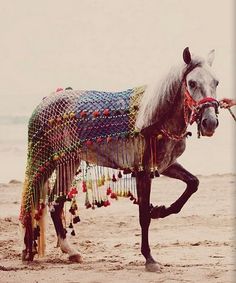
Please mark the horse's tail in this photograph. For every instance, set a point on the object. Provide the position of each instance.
(33, 211)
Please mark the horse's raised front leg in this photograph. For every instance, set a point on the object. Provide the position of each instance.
(143, 189)
(178, 172)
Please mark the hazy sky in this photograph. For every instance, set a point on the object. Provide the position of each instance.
(113, 45)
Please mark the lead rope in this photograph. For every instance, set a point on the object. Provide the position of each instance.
(232, 114)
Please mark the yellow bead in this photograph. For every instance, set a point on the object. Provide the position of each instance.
(72, 115)
(55, 157)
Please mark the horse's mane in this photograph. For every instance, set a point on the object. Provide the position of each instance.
(159, 98)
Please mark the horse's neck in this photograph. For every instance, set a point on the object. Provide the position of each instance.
(176, 118)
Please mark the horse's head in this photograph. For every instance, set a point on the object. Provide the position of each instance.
(201, 85)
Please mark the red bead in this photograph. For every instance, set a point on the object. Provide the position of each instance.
(109, 191)
(89, 143)
(83, 114)
(99, 140)
(96, 114)
(106, 112)
(41, 169)
(109, 139)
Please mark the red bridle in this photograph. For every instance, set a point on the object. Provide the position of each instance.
(195, 107)
(192, 113)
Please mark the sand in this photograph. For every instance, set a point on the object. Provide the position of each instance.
(197, 245)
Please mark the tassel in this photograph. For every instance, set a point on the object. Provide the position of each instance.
(76, 220)
(70, 226)
(114, 178)
(84, 187)
(151, 175)
(127, 171)
(109, 191)
(114, 196)
(133, 174)
(119, 175)
(157, 173)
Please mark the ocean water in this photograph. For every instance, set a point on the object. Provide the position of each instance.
(203, 156)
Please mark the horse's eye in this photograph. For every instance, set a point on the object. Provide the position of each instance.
(192, 84)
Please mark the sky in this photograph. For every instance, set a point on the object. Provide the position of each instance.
(114, 45)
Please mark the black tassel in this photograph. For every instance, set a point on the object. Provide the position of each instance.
(152, 175)
(157, 173)
(76, 220)
(133, 174)
(127, 171)
(71, 226)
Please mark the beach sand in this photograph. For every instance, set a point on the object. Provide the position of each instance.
(196, 245)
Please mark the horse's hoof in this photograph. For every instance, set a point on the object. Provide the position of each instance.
(75, 258)
(158, 212)
(153, 267)
(27, 256)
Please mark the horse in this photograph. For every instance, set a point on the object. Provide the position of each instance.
(140, 131)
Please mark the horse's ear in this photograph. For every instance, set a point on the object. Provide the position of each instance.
(186, 55)
(211, 57)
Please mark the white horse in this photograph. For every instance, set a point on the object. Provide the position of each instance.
(140, 130)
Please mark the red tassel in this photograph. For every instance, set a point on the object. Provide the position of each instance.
(109, 191)
(114, 196)
(84, 187)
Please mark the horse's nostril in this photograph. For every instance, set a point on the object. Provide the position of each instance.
(210, 124)
(204, 123)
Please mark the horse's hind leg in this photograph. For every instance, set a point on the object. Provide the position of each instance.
(64, 182)
(178, 172)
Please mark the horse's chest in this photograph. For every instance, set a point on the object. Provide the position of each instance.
(168, 152)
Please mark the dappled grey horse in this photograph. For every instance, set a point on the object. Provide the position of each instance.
(141, 131)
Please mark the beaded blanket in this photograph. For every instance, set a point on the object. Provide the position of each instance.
(66, 123)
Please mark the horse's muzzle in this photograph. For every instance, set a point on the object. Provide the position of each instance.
(208, 126)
